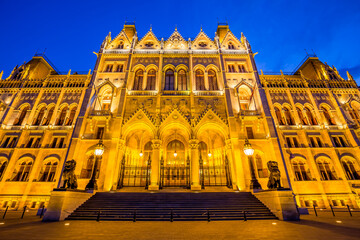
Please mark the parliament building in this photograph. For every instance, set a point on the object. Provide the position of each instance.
(176, 113)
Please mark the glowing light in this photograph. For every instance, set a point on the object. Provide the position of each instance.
(99, 150)
(67, 224)
(248, 150)
(209, 154)
(2, 223)
(175, 154)
(274, 223)
(141, 154)
(338, 221)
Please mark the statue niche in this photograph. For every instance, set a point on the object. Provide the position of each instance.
(274, 178)
(70, 181)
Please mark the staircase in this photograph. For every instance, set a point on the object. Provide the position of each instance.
(171, 207)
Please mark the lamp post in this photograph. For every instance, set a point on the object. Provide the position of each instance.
(99, 150)
(249, 151)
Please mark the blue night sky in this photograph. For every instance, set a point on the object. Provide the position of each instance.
(279, 30)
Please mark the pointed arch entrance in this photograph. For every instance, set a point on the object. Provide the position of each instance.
(175, 166)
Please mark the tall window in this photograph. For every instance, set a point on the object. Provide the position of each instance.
(289, 117)
(212, 80)
(151, 80)
(3, 166)
(49, 116)
(278, 116)
(182, 81)
(169, 80)
(303, 119)
(121, 45)
(199, 78)
(62, 116)
(349, 168)
(354, 115)
(88, 166)
(301, 172)
(21, 117)
(48, 172)
(329, 120)
(262, 172)
(310, 116)
(40, 116)
(138, 81)
(231, 46)
(325, 171)
(71, 118)
(22, 171)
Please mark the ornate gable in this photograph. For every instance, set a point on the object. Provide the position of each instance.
(121, 41)
(202, 41)
(140, 115)
(210, 116)
(230, 39)
(175, 115)
(149, 41)
(176, 41)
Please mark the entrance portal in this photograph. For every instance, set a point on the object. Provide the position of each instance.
(175, 170)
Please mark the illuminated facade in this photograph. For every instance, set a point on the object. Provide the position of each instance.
(176, 113)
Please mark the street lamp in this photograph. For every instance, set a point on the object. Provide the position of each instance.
(249, 151)
(99, 150)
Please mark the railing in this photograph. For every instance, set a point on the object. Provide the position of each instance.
(174, 92)
(232, 51)
(142, 93)
(176, 51)
(117, 51)
(208, 93)
(204, 51)
(334, 210)
(249, 113)
(101, 113)
(147, 51)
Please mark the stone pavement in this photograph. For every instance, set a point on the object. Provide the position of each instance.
(310, 227)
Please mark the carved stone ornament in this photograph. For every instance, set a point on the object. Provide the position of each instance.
(274, 178)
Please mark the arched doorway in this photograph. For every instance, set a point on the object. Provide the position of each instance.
(175, 166)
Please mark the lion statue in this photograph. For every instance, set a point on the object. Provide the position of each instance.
(274, 178)
(69, 177)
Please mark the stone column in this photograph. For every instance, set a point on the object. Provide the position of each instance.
(155, 165)
(195, 166)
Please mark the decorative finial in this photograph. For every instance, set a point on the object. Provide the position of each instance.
(175, 27)
(150, 27)
(201, 28)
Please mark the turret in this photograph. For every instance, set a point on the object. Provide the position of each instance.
(129, 29)
(221, 31)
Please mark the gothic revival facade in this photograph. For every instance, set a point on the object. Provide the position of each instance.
(176, 113)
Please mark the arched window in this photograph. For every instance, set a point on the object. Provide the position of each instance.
(48, 172)
(350, 171)
(169, 80)
(278, 116)
(199, 78)
(40, 116)
(179, 148)
(22, 172)
(3, 166)
(303, 119)
(231, 45)
(88, 166)
(121, 45)
(262, 172)
(354, 115)
(212, 80)
(326, 172)
(301, 172)
(71, 118)
(106, 100)
(310, 116)
(288, 116)
(182, 81)
(138, 81)
(151, 80)
(62, 116)
(47, 120)
(328, 118)
(21, 117)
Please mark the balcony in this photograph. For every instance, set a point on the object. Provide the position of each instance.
(208, 93)
(101, 113)
(117, 51)
(232, 51)
(249, 113)
(174, 92)
(142, 93)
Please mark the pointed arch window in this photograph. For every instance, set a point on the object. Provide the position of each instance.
(138, 81)
(231, 45)
(354, 115)
(71, 118)
(199, 77)
(62, 116)
(350, 170)
(169, 80)
(182, 81)
(3, 166)
(328, 118)
(288, 116)
(88, 166)
(121, 45)
(21, 117)
(151, 80)
(40, 116)
(278, 116)
(47, 120)
(213, 85)
(303, 119)
(262, 172)
(48, 172)
(310, 116)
